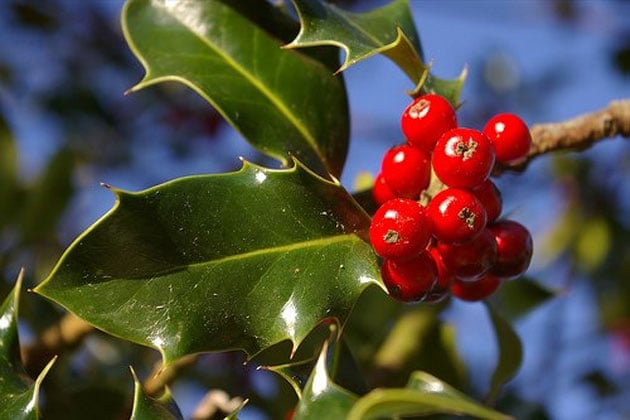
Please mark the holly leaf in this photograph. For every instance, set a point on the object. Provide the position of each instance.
(19, 395)
(423, 395)
(341, 365)
(241, 260)
(388, 30)
(282, 101)
(147, 408)
(321, 397)
(510, 353)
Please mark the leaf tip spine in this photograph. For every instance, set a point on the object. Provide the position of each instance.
(294, 348)
(43, 373)
(134, 375)
(113, 189)
(291, 45)
(18, 283)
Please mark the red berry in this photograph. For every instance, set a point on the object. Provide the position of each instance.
(426, 119)
(463, 158)
(473, 259)
(409, 280)
(406, 170)
(490, 197)
(399, 229)
(473, 291)
(510, 136)
(456, 216)
(514, 247)
(381, 191)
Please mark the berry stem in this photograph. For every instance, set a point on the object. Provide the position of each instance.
(578, 133)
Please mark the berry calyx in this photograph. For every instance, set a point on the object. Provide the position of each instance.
(473, 259)
(514, 248)
(381, 191)
(426, 119)
(406, 170)
(474, 291)
(399, 229)
(456, 216)
(409, 280)
(463, 158)
(490, 198)
(510, 136)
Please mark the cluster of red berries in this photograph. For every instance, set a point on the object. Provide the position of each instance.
(442, 234)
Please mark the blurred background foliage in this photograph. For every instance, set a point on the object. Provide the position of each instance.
(65, 126)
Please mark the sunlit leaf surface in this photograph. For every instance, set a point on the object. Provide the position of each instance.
(209, 263)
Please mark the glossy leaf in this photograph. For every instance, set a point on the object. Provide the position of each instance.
(322, 399)
(209, 263)
(18, 395)
(283, 102)
(388, 30)
(147, 408)
(341, 365)
(510, 353)
(424, 395)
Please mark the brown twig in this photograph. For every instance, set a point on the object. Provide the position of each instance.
(68, 333)
(578, 133)
(216, 404)
(162, 376)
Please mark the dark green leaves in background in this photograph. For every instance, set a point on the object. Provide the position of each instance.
(209, 263)
(510, 354)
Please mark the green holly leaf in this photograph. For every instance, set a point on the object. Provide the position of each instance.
(322, 398)
(388, 30)
(282, 101)
(241, 260)
(510, 353)
(147, 408)
(19, 396)
(341, 365)
(424, 395)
